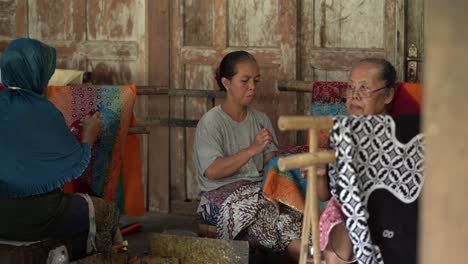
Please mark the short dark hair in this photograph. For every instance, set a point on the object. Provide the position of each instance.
(387, 71)
(227, 67)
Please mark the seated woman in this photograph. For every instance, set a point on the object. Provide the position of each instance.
(233, 142)
(370, 90)
(39, 154)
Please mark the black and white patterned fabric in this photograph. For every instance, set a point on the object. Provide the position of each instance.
(373, 164)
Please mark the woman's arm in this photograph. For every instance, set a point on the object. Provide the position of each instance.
(267, 158)
(323, 191)
(223, 167)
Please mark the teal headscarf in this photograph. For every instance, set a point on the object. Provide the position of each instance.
(38, 152)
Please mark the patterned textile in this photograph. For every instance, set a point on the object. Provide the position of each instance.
(274, 229)
(286, 187)
(331, 217)
(327, 100)
(105, 176)
(238, 211)
(374, 165)
(247, 210)
(212, 201)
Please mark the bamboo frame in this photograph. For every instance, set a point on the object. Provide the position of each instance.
(310, 160)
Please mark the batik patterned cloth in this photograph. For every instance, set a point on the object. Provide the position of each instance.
(246, 212)
(105, 175)
(286, 187)
(370, 159)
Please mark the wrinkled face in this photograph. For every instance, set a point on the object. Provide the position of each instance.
(241, 87)
(366, 94)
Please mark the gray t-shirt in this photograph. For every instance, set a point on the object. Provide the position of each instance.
(218, 135)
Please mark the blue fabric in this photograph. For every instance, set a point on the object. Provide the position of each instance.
(38, 152)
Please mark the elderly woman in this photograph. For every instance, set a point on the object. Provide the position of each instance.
(233, 142)
(39, 154)
(370, 90)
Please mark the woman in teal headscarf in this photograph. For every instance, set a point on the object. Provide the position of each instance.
(38, 154)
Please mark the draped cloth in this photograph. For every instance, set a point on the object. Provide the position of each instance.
(113, 174)
(378, 178)
(38, 152)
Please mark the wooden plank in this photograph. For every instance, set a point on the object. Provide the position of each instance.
(177, 140)
(244, 14)
(158, 105)
(113, 19)
(69, 25)
(158, 160)
(140, 111)
(444, 231)
(158, 43)
(198, 29)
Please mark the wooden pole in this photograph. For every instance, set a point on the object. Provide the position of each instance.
(311, 213)
(294, 86)
(304, 122)
(306, 159)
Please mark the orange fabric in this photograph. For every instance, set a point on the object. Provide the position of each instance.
(132, 181)
(278, 187)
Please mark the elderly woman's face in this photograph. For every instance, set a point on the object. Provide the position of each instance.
(366, 94)
(241, 88)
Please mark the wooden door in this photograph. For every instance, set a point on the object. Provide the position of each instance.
(337, 33)
(203, 31)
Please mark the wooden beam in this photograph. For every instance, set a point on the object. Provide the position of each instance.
(306, 159)
(304, 122)
(163, 90)
(294, 86)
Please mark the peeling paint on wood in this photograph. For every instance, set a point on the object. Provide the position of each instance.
(198, 29)
(112, 19)
(253, 23)
(105, 72)
(45, 24)
(7, 18)
(340, 23)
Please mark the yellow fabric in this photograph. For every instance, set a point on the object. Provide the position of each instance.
(63, 77)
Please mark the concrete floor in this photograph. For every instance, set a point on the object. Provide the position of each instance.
(157, 223)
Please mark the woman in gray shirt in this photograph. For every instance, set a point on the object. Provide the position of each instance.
(233, 142)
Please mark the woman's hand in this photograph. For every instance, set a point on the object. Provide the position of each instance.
(262, 139)
(92, 125)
